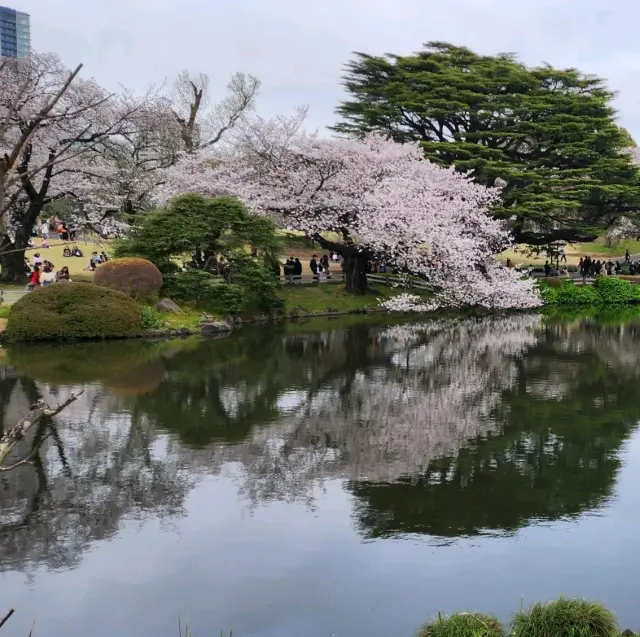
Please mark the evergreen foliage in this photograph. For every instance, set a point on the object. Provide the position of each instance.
(193, 225)
(549, 133)
(69, 311)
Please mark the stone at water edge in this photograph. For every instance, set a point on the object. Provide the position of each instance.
(211, 328)
(169, 306)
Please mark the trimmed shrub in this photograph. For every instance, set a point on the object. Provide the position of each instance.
(194, 286)
(73, 311)
(570, 294)
(565, 618)
(613, 290)
(463, 625)
(138, 278)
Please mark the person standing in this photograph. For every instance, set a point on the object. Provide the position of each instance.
(563, 254)
(313, 266)
(297, 269)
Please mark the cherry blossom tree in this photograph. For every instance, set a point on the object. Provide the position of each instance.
(58, 139)
(369, 198)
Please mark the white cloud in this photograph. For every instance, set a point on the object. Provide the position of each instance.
(298, 48)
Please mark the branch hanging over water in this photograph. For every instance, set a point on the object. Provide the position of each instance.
(10, 439)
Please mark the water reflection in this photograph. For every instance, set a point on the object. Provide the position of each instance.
(448, 428)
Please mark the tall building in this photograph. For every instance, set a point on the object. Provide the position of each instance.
(15, 33)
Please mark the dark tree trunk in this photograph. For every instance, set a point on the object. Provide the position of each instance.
(355, 273)
(354, 266)
(12, 257)
(12, 253)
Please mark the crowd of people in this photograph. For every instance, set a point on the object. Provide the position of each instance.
(597, 267)
(319, 266)
(590, 267)
(42, 273)
(44, 228)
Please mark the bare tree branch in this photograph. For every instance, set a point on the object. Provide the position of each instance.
(190, 97)
(12, 437)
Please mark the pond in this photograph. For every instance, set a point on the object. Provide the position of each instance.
(324, 479)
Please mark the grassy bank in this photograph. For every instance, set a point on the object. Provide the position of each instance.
(303, 301)
(333, 297)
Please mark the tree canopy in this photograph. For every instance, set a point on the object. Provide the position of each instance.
(372, 198)
(550, 134)
(195, 225)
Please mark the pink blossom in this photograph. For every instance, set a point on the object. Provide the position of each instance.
(380, 197)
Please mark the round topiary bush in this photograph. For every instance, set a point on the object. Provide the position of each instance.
(565, 617)
(138, 278)
(463, 625)
(73, 311)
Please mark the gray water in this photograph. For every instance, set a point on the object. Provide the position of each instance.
(324, 479)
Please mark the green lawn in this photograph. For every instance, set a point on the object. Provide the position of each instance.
(598, 247)
(333, 297)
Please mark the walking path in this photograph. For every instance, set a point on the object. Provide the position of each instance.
(11, 295)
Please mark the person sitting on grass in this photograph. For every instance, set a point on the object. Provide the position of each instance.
(76, 252)
(34, 279)
(48, 276)
(37, 259)
(63, 275)
(94, 262)
(105, 258)
(67, 252)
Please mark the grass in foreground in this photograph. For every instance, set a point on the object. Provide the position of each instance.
(463, 625)
(565, 617)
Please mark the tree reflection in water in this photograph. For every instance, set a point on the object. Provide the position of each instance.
(445, 428)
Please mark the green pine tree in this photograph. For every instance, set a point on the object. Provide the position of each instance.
(550, 134)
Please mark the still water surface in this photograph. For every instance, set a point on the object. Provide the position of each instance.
(327, 480)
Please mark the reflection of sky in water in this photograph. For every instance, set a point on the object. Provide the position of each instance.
(291, 400)
(282, 565)
(283, 569)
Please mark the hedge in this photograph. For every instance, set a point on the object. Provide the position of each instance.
(138, 278)
(70, 311)
(605, 291)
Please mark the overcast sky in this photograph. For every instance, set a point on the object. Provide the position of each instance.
(298, 47)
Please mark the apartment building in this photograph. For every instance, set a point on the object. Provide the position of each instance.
(15, 33)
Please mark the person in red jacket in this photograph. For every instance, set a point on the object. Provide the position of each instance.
(34, 279)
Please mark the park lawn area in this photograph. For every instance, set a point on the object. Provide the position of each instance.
(575, 251)
(76, 265)
(333, 297)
